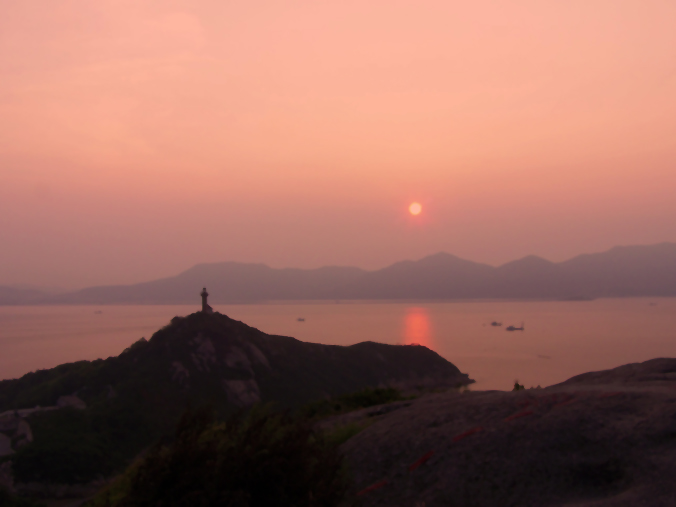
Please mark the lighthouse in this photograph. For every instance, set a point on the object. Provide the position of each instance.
(205, 306)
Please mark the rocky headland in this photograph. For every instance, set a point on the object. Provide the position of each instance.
(79, 422)
(599, 439)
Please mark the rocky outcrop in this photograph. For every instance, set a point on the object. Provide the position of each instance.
(204, 350)
(6, 476)
(9, 417)
(14, 432)
(201, 359)
(73, 494)
(204, 353)
(5, 445)
(180, 374)
(242, 393)
(71, 401)
(602, 439)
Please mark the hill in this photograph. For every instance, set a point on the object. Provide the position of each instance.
(93, 416)
(228, 281)
(14, 296)
(629, 271)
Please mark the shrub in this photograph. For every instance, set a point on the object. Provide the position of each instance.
(66, 450)
(354, 401)
(9, 500)
(261, 459)
(341, 434)
(518, 387)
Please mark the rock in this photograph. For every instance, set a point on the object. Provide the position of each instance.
(180, 374)
(242, 393)
(237, 358)
(6, 476)
(5, 445)
(24, 431)
(602, 439)
(256, 355)
(76, 492)
(9, 421)
(71, 401)
(204, 355)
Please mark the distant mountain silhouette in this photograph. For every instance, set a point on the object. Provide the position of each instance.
(620, 272)
(438, 276)
(13, 296)
(227, 281)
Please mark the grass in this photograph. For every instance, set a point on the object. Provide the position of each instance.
(7, 499)
(350, 402)
(258, 459)
(210, 459)
(341, 434)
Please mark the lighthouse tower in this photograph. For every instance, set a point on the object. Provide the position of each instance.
(205, 306)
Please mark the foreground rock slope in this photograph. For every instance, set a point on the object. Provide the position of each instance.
(599, 439)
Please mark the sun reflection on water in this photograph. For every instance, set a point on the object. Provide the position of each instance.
(417, 327)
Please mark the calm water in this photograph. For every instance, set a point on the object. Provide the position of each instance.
(561, 339)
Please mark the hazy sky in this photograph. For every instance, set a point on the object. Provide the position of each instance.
(138, 138)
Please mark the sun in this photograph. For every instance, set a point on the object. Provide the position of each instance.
(415, 208)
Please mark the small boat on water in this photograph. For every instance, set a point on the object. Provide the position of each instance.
(514, 328)
(496, 324)
(300, 319)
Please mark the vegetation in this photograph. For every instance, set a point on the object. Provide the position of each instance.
(260, 459)
(364, 398)
(7, 499)
(67, 449)
(132, 400)
(341, 434)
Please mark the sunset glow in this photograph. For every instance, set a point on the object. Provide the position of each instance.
(417, 327)
(140, 138)
(305, 202)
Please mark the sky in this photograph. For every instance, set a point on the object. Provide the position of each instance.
(140, 137)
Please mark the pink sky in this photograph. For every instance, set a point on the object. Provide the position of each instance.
(138, 138)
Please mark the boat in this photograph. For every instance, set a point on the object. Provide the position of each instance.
(514, 328)
(300, 319)
(496, 324)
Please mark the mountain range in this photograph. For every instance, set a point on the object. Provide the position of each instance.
(623, 271)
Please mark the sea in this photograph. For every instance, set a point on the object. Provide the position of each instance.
(560, 339)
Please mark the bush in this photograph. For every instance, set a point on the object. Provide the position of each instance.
(9, 500)
(341, 434)
(66, 450)
(261, 459)
(354, 401)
